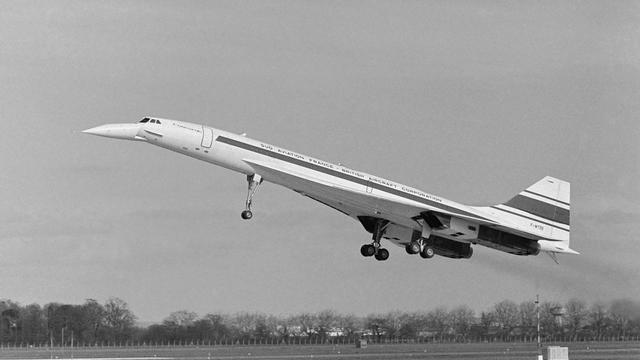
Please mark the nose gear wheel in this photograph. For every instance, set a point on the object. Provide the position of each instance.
(253, 181)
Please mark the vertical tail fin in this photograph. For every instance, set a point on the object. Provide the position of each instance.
(549, 201)
(548, 198)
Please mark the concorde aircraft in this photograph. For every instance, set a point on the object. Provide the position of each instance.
(535, 220)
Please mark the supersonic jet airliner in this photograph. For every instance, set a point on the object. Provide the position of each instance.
(535, 220)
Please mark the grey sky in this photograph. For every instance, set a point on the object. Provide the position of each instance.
(472, 101)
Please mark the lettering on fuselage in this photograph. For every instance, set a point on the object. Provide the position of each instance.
(290, 154)
(383, 182)
(372, 179)
(322, 163)
(334, 170)
(537, 226)
(296, 156)
(420, 194)
(352, 172)
(186, 127)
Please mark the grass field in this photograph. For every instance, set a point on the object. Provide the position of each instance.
(516, 351)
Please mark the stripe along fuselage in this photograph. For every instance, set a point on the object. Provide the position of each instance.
(231, 151)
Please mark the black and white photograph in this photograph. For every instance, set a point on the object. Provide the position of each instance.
(289, 179)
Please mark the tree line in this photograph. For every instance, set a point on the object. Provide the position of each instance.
(113, 323)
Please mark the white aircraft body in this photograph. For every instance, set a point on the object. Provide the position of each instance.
(535, 220)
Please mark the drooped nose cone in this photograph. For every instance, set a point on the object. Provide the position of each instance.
(116, 131)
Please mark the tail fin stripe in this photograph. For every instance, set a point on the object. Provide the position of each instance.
(530, 218)
(547, 197)
(539, 208)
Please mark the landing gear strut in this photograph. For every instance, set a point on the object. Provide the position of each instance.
(374, 248)
(422, 245)
(253, 182)
(426, 245)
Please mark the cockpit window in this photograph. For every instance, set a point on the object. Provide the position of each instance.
(149, 120)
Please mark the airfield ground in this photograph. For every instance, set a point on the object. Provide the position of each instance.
(486, 351)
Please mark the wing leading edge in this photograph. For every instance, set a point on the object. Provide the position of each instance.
(392, 207)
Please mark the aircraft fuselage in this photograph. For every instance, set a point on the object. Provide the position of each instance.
(387, 209)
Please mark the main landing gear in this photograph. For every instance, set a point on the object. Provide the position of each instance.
(427, 252)
(253, 182)
(422, 246)
(374, 249)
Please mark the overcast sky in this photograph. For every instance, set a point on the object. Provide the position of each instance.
(472, 101)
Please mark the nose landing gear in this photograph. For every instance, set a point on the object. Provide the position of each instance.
(253, 182)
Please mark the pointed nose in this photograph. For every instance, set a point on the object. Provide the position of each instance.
(115, 131)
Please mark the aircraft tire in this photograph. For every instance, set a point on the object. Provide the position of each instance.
(367, 250)
(246, 215)
(427, 252)
(382, 255)
(412, 248)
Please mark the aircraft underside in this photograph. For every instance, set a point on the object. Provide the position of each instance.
(433, 238)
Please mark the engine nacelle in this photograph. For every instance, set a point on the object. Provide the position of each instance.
(507, 242)
(451, 249)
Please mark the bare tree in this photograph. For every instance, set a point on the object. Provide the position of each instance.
(119, 320)
(599, 320)
(10, 318)
(527, 317)
(325, 321)
(307, 323)
(624, 314)
(378, 324)
(410, 324)
(576, 316)
(394, 321)
(460, 320)
(219, 329)
(505, 314)
(349, 324)
(179, 324)
(34, 324)
(181, 318)
(244, 324)
(548, 322)
(438, 320)
(261, 330)
(486, 322)
(278, 327)
(93, 314)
